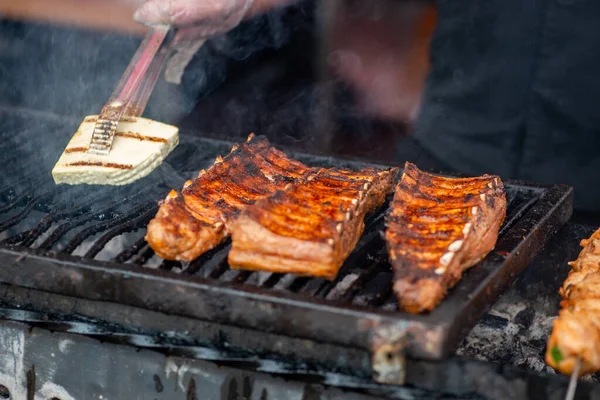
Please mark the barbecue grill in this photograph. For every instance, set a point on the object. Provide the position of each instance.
(86, 244)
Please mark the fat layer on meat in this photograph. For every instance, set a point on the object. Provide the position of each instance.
(309, 228)
(437, 228)
(576, 331)
(198, 218)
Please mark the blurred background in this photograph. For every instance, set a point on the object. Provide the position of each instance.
(339, 77)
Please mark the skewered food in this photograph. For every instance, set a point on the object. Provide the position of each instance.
(576, 332)
(201, 216)
(140, 145)
(309, 228)
(437, 228)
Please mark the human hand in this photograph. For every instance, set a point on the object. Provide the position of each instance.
(197, 21)
(208, 17)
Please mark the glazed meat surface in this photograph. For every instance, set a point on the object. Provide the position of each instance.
(437, 228)
(198, 218)
(576, 331)
(309, 228)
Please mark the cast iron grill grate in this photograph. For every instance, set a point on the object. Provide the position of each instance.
(89, 242)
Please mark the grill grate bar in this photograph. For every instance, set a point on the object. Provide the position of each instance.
(299, 283)
(106, 224)
(30, 185)
(364, 277)
(376, 291)
(370, 242)
(15, 239)
(109, 208)
(272, 280)
(24, 213)
(148, 211)
(144, 256)
(517, 211)
(26, 196)
(65, 212)
(220, 252)
(242, 276)
(127, 254)
(168, 265)
(220, 268)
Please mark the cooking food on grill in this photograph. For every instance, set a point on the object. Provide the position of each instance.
(576, 331)
(437, 228)
(309, 228)
(198, 218)
(140, 145)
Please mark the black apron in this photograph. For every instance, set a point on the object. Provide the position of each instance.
(514, 89)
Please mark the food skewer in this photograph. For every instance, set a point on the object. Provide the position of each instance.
(574, 345)
(573, 381)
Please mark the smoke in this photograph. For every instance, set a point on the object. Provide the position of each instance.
(258, 37)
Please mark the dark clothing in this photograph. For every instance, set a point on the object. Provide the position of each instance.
(514, 89)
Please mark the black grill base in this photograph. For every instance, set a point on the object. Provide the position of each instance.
(87, 242)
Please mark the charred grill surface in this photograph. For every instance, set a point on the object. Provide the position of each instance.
(309, 228)
(437, 228)
(88, 242)
(198, 218)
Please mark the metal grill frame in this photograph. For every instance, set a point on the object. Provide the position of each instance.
(262, 311)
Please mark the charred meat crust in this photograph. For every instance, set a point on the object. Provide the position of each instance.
(576, 331)
(199, 217)
(437, 228)
(309, 228)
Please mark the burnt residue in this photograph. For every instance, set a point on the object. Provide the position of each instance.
(99, 164)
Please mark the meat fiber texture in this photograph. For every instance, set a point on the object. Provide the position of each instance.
(437, 228)
(309, 228)
(195, 220)
(576, 331)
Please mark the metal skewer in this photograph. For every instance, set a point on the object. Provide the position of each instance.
(573, 381)
(133, 90)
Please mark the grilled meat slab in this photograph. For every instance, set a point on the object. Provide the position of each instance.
(437, 228)
(309, 228)
(198, 218)
(576, 331)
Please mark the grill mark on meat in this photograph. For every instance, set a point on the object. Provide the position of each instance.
(311, 227)
(99, 164)
(437, 228)
(218, 195)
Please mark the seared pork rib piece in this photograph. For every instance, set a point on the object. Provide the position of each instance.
(576, 331)
(198, 218)
(437, 228)
(309, 228)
